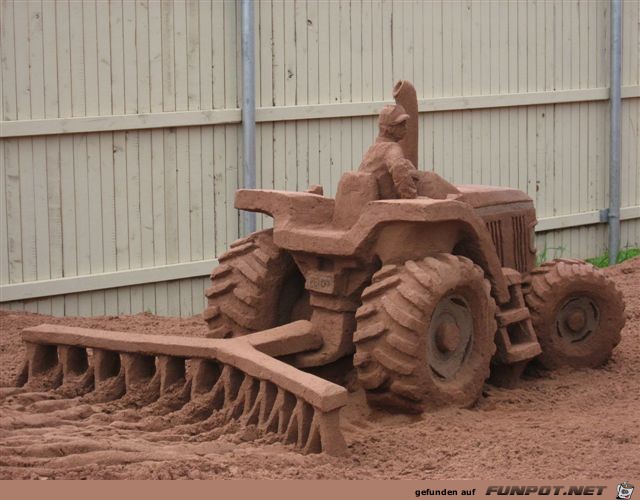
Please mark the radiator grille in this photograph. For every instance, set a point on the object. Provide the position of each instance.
(520, 243)
(495, 228)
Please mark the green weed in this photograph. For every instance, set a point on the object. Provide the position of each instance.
(545, 255)
(624, 254)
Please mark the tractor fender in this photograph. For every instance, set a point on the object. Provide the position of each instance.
(300, 225)
(447, 226)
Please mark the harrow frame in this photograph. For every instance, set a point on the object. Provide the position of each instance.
(239, 376)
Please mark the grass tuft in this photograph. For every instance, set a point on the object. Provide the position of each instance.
(624, 254)
(549, 253)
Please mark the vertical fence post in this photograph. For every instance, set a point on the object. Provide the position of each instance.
(614, 150)
(248, 110)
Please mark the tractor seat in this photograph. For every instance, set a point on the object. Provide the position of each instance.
(355, 190)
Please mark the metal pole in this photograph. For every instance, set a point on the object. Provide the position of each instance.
(248, 109)
(614, 150)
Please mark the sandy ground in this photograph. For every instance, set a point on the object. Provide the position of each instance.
(570, 425)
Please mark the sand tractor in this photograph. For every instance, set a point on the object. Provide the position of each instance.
(428, 291)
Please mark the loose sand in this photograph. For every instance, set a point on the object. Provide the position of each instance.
(571, 425)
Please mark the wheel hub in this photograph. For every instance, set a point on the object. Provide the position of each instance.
(577, 319)
(449, 337)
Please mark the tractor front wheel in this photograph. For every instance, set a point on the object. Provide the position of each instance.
(577, 313)
(425, 334)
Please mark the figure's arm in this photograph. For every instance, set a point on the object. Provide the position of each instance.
(430, 184)
(402, 173)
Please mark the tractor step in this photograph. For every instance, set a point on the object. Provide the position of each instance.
(512, 316)
(240, 378)
(516, 338)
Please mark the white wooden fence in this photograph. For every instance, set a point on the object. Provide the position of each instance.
(120, 142)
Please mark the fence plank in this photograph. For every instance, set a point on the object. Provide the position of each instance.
(8, 61)
(4, 218)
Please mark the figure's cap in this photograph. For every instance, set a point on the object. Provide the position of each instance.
(392, 115)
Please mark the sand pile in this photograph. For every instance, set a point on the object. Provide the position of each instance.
(575, 424)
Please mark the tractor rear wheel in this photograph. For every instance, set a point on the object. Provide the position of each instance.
(577, 313)
(425, 334)
(256, 286)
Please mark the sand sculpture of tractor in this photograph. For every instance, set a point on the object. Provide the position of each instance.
(431, 289)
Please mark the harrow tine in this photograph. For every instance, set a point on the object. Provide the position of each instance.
(299, 424)
(262, 402)
(43, 369)
(77, 374)
(106, 365)
(220, 380)
(74, 362)
(108, 375)
(141, 380)
(138, 370)
(225, 388)
(171, 371)
(285, 410)
(244, 400)
(204, 375)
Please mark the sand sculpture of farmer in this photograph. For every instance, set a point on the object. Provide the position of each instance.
(385, 158)
(397, 177)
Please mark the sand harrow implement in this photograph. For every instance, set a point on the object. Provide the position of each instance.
(239, 378)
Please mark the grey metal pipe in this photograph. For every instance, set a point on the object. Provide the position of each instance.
(248, 110)
(614, 149)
